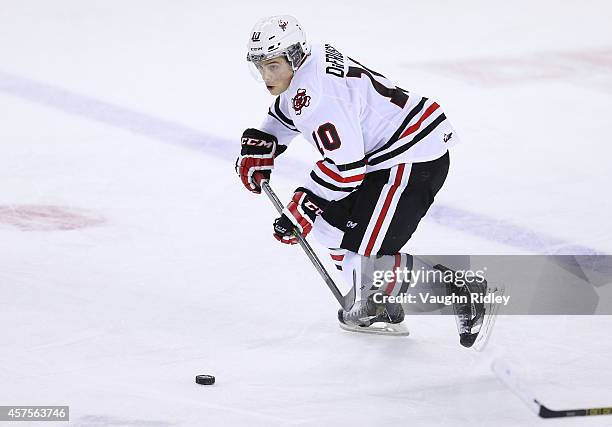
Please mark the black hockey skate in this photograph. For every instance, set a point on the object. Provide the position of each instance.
(474, 318)
(469, 315)
(375, 318)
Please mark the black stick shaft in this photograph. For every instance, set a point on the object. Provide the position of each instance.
(550, 413)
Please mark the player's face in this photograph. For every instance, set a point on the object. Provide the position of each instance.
(276, 73)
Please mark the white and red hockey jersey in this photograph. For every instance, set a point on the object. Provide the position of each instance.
(357, 119)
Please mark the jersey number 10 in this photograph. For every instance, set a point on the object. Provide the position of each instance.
(327, 133)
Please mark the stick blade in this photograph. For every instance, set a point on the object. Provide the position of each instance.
(507, 375)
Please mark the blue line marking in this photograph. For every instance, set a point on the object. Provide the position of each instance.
(177, 134)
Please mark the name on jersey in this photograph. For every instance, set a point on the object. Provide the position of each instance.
(334, 61)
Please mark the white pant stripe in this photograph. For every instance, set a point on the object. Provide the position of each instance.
(388, 216)
(391, 212)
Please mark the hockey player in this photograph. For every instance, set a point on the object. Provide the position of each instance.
(384, 155)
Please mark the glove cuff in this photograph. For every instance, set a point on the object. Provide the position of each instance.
(317, 200)
(258, 143)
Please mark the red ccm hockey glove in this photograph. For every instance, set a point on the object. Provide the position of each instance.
(256, 155)
(299, 215)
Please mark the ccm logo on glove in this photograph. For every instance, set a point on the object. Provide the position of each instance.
(309, 204)
(256, 155)
(298, 216)
(258, 143)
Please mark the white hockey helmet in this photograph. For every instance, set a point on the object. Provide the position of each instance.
(275, 36)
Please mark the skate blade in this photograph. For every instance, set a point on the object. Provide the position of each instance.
(379, 328)
(489, 322)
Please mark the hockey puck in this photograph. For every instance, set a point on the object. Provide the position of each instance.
(205, 379)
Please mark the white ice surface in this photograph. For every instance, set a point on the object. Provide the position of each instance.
(128, 114)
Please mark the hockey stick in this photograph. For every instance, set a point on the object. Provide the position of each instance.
(505, 373)
(346, 301)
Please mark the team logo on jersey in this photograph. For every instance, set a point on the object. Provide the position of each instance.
(448, 136)
(300, 100)
(351, 224)
(283, 24)
(256, 36)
